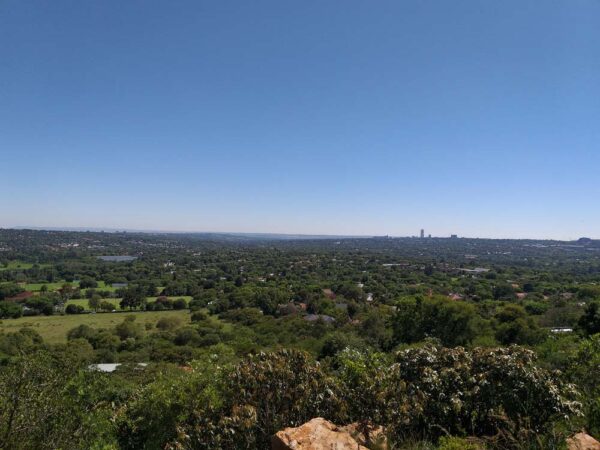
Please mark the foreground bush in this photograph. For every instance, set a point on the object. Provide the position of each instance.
(433, 391)
(498, 395)
(45, 403)
(264, 394)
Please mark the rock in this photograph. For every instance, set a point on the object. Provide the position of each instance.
(582, 441)
(318, 434)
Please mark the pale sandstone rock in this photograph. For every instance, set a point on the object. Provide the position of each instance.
(318, 434)
(583, 441)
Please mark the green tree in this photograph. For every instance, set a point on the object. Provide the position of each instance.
(134, 297)
(129, 329)
(589, 322)
(94, 302)
(516, 327)
(10, 310)
(417, 318)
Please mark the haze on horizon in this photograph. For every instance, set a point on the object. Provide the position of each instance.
(314, 117)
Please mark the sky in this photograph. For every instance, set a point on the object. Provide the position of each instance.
(476, 118)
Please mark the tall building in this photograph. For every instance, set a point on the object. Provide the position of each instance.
(422, 233)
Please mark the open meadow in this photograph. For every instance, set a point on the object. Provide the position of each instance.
(54, 328)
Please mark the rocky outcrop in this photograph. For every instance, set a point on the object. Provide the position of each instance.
(318, 434)
(582, 441)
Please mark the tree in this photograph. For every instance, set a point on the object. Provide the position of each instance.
(584, 370)
(106, 306)
(129, 329)
(375, 328)
(94, 302)
(267, 299)
(133, 297)
(417, 318)
(82, 332)
(503, 291)
(74, 309)
(43, 305)
(44, 404)
(180, 303)
(88, 282)
(10, 310)
(168, 323)
(589, 323)
(516, 327)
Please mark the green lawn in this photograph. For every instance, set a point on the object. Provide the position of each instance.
(12, 265)
(54, 328)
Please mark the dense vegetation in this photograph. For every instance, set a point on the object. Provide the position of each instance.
(436, 339)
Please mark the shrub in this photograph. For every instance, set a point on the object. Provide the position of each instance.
(74, 309)
(9, 310)
(199, 316)
(106, 306)
(476, 392)
(417, 318)
(168, 323)
(129, 329)
(180, 303)
(258, 397)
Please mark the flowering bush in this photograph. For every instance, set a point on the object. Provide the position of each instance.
(478, 392)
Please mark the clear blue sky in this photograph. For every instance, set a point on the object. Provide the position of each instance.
(480, 118)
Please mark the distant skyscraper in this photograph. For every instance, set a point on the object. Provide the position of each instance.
(422, 233)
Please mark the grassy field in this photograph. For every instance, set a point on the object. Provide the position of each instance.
(16, 265)
(54, 328)
(12, 265)
(102, 286)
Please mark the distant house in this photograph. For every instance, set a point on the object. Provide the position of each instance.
(476, 270)
(20, 297)
(111, 367)
(329, 294)
(315, 317)
(119, 285)
(561, 330)
(456, 297)
(117, 258)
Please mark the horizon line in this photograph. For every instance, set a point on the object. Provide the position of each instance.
(83, 229)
